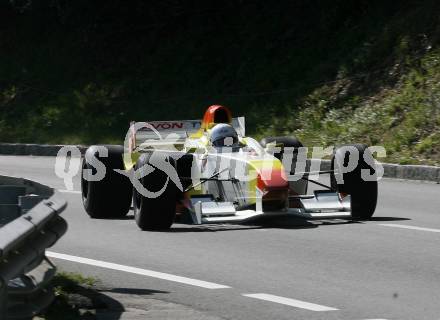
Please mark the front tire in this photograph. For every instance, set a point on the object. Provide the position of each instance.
(110, 197)
(363, 194)
(155, 213)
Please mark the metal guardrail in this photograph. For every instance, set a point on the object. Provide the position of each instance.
(29, 223)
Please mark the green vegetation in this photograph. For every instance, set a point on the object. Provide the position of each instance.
(329, 72)
(73, 298)
(404, 118)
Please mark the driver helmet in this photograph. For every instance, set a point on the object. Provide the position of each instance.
(224, 135)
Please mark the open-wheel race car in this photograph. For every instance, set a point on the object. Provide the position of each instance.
(209, 171)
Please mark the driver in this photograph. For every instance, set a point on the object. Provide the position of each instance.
(224, 135)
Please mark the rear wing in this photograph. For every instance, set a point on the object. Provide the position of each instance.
(171, 132)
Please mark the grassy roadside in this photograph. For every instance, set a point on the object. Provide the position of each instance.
(404, 117)
(74, 298)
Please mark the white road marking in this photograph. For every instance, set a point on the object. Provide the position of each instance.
(289, 302)
(144, 272)
(69, 191)
(402, 226)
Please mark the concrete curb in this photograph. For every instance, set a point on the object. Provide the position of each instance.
(407, 172)
(21, 149)
(412, 172)
(396, 171)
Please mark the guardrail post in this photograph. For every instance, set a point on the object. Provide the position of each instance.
(3, 299)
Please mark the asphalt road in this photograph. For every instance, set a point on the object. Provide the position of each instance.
(272, 269)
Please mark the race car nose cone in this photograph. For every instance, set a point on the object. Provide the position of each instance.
(269, 179)
(275, 188)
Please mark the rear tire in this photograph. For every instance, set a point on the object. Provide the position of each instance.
(298, 186)
(155, 213)
(110, 197)
(286, 142)
(363, 194)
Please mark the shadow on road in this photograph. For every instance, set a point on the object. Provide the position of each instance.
(139, 292)
(388, 219)
(116, 300)
(127, 217)
(274, 223)
(259, 223)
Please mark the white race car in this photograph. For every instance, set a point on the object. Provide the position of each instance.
(208, 171)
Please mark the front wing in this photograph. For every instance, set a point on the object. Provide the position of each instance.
(320, 205)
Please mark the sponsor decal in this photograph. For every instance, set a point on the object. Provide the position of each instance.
(166, 125)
